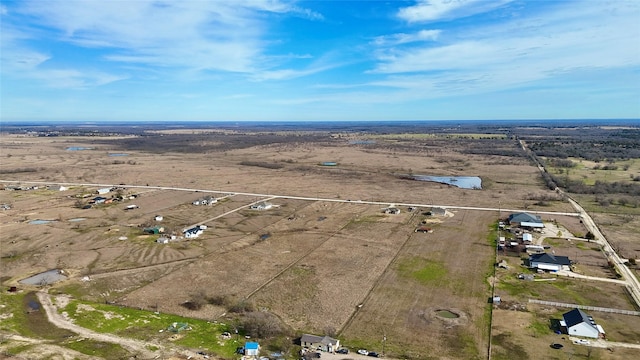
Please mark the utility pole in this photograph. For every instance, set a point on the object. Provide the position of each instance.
(384, 340)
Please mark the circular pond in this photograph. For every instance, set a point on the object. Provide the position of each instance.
(447, 314)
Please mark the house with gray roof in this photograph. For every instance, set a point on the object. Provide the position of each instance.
(322, 343)
(578, 323)
(524, 219)
(549, 262)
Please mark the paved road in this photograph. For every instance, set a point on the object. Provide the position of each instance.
(630, 279)
(571, 274)
(602, 343)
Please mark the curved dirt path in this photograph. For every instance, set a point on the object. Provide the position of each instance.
(136, 346)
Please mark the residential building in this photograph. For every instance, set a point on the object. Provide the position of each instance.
(525, 220)
(322, 343)
(263, 205)
(549, 262)
(578, 323)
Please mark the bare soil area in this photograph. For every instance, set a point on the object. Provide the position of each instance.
(320, 266)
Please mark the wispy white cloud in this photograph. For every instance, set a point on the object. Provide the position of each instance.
(204, 35)
(73, 78)
(403, 38)
(519, 52)
(433, 10)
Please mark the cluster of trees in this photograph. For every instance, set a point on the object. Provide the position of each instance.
(209, 142)
(253, 322)
(262, 164)
(594, 148)
(600, 187)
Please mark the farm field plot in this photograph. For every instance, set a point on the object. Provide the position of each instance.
(333, 266)
(557, 288)
(586, 256)
(244, 260)
(442, 271)
(526, 335)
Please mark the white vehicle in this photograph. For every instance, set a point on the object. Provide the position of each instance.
(363, 352)
(582, 342)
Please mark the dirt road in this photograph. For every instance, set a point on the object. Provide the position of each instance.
(139, 348)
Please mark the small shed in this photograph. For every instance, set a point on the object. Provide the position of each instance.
(154, 230)
(251, 348)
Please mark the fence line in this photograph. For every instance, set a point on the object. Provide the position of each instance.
(585, 307)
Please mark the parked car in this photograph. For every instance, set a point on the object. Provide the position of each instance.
(363, 352)
(343, 351)
(582, 342)
(373, 354)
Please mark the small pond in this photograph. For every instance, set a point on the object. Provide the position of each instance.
(78, 148)
(40, 222)
(463, 182)
(361, 142)
(33, 305)
(447, 314)
(44, 278)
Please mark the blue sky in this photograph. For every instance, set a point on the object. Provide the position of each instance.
(319, 60)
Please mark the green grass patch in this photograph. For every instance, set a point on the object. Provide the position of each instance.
(422, 270)
(518, 288)
(16, 350)
(146, 325)
(507, 348)
(107, 351)
(553, 241)
(28, 318)
(539, 328)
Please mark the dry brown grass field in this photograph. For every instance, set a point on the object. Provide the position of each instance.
(319, 265)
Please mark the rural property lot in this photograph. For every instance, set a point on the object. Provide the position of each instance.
(321, 266)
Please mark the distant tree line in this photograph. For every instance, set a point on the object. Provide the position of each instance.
(600, 187)
(589, 147)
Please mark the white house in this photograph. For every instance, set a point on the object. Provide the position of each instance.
(103, 191)
(578, 323)
(391, 210)
(263, 205)
(527, 237)
(158, 218)
(194, 232)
